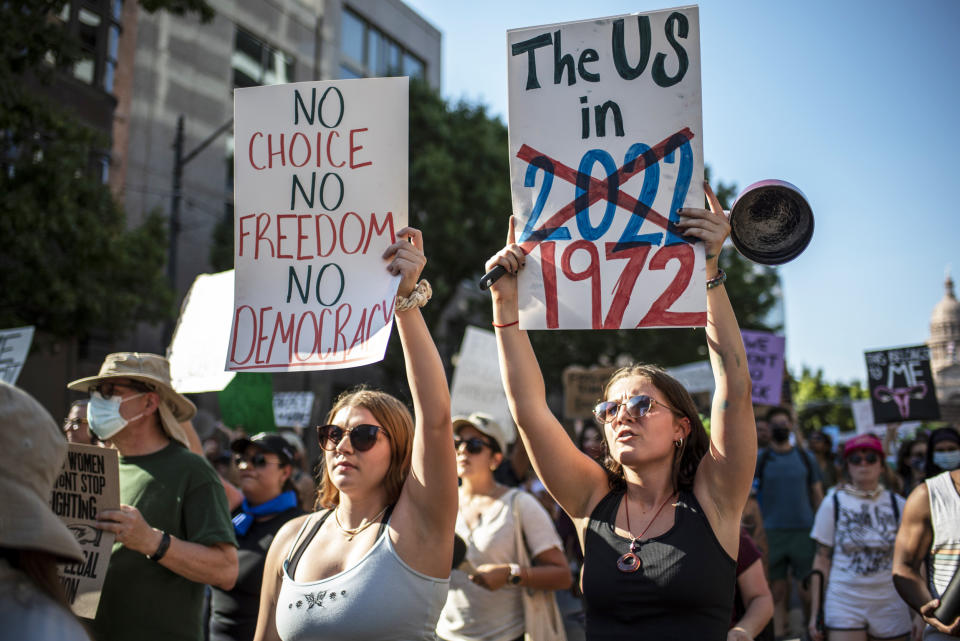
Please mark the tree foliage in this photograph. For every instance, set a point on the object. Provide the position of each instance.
(69, 264)
(820, 403)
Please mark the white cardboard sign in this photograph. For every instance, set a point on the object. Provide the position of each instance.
(477, 386)
(292, 409)
(199, 344)
(14, 347)
(321, 190)
(606, 143)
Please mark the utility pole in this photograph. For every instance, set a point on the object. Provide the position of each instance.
(179, 160)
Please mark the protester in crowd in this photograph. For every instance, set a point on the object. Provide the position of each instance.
(855, 529)
(752, 601)
(789, 491)
(943, 451)
(514, 470)
(302, 479)
(911, 461)
(660, 525)
(33, 540)
(821, 445)
(332, 575)
(173, 531)
(487, 604)
(75, 426)
(927, 552)
(763, 434)
(270, 500)
(590, 442)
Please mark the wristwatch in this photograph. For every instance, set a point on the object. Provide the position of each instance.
(514, 578)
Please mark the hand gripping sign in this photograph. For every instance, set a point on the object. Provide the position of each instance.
(321, 190)
(605, 147)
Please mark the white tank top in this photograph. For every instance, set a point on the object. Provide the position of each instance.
(381, 598)
(944, 556)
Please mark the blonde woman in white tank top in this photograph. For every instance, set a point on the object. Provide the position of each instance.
(375, 562)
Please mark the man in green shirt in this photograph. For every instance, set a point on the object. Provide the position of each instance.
(173, 528)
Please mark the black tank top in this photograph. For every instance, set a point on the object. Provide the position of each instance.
(683, 591)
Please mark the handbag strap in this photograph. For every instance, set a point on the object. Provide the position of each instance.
(523, 555)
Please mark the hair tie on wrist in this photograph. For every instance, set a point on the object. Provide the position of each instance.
(501, 325)
(717, 280)
(417, 298)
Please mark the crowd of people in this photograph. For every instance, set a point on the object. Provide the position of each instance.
(419, 525)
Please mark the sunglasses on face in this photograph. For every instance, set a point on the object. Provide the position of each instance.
(870, 458)
(636, 406)
(109, 388)
(362, 437)
(257, 460)
(473, 445)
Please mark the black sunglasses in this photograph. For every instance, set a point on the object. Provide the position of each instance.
(869, 457)
(257, 460)
(474, 445)
(109, 388)
(362, 437)
(637, 406)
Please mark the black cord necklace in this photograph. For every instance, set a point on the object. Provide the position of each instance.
(630, 562)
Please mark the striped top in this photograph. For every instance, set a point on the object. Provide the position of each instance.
(944, 556)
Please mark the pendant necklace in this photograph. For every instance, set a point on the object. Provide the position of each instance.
(630, 562)
(352, 532)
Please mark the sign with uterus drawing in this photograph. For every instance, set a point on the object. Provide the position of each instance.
(901, 384)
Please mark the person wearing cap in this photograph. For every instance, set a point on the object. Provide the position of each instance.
(374, 562)
(927, 552)
(33, 540)
(486, 604)
(173, 529)
(265, 464)
(855, 529)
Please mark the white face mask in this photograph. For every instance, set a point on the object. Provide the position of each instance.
(947, 460)
(103, 414)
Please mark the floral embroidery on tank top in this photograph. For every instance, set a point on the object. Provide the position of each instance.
(316, 599)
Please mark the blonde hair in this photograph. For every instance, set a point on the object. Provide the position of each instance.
(396, 420)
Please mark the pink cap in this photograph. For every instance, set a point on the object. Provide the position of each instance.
(863, 442)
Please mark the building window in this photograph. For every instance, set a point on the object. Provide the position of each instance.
(257, 63)
(366, 51)
(96, 26)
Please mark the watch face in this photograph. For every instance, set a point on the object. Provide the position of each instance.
(515, 579)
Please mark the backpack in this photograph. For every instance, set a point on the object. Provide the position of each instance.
(836, 508)
(765, 458)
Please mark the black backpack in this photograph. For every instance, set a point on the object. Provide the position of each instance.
(765, 458)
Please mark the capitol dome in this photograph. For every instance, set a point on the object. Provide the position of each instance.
(945, 329)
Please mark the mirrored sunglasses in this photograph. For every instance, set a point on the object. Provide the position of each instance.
(473, 445)
(636, 407)
(362, 437)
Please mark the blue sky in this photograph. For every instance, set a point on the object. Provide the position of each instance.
(855, 102)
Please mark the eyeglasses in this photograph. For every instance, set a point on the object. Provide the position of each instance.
(474, 445)
(637, 406)
(869, 457)
(108, 389)
(362, 437)
(257, 460)
(73, 424)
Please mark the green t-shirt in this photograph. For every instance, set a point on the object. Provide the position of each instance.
(178, 492)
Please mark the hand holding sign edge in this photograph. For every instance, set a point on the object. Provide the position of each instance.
(708, 225)
(407, 259)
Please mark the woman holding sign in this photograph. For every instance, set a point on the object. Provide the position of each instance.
(659, 521)
(376, 563)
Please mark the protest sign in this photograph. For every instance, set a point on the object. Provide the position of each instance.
(594, 105)
(292, 409)
(582, 388)
(765, 361)
(88, 483)
(321, 190)
(14, 347)
(477, 386)
(199, 345)
(862, 410)
(901, 385)
(247, 403)
(695, 377)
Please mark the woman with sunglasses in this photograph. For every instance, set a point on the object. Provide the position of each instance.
(487, 605)
(659, 521)
(855, 528)
(375, 563)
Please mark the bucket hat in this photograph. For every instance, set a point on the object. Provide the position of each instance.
(32, 450)
(154, 371)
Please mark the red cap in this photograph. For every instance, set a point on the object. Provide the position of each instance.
(863, 442)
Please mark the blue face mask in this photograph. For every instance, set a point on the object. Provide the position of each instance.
(947, 460)
(104, 417)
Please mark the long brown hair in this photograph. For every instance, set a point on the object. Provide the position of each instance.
(396, 419)
(686, 457)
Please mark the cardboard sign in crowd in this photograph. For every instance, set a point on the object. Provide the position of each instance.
(606, 145)
(14, 347)
(901, 384)
(765, 361)
(321, 190)
(88, 483)
(476, 385)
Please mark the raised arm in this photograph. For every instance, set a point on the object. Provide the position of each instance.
(726, 471)
(427, 510)
(573, 479)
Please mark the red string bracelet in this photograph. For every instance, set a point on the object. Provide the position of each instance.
(506, 324)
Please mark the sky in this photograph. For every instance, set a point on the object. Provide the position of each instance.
(854, 102)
